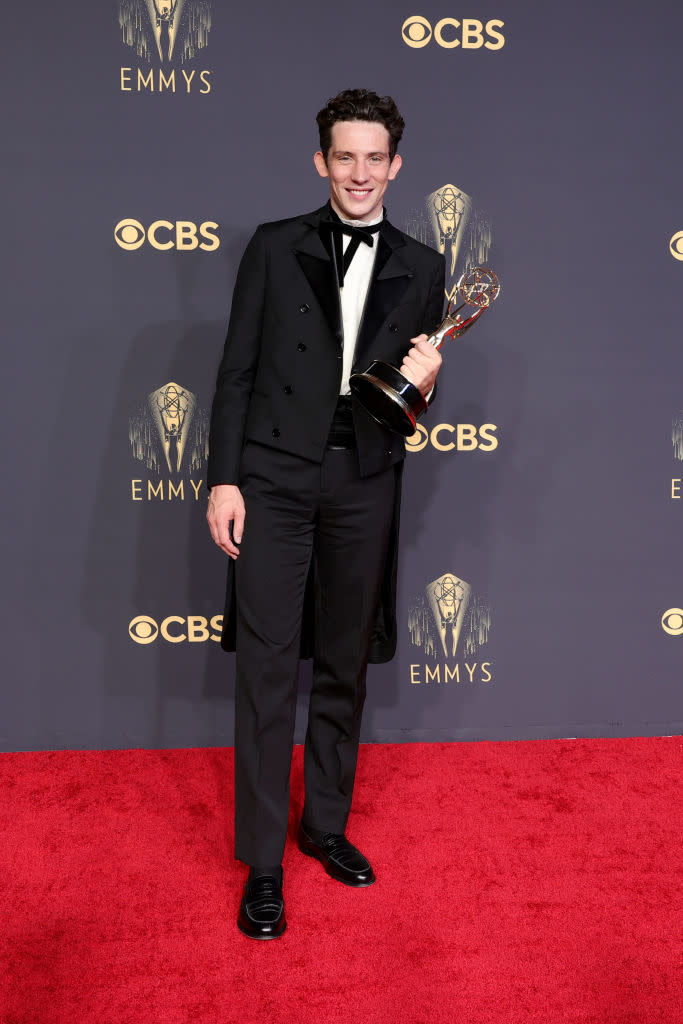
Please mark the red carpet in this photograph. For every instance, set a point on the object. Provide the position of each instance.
(517, 882)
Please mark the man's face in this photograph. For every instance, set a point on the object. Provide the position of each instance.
(359, 168)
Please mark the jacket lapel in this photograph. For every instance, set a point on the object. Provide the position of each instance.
(390, 278)
(315, 262)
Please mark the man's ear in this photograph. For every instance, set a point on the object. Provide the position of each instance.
(395, 166)
(320, 165)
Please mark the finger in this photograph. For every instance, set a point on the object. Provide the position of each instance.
(418, 363)
(225, 541)
(425, 354)
(423, 363)
(418, 339)
(220, 532)
(230, 550)
(427, 350)
(411, 373)
(417, 356)
(219, 527)
(238, 526)
(422, 377)
(213, 526)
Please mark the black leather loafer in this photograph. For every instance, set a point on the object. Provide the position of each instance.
(262, 910)
(339, 857)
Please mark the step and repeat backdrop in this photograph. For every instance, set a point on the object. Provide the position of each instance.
(540, 589)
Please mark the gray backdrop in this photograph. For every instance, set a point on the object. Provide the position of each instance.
(560, 545)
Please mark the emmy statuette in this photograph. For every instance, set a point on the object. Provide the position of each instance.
(386, 394)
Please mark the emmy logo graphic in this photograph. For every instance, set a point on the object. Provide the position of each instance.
(677, 436)
(448, 598)
(677, 441)
(449, 208)
(169, 433)
(445, 619)
(165, 27)
(449, 222)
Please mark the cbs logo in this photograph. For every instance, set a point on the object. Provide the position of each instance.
(676, 245)
(672, 621)
(195, 629)
(469, 33)
(163, 234)
(463, 437)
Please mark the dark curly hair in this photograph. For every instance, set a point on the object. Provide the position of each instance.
(360, 105)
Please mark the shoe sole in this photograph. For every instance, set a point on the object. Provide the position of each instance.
(263, 938)
(352, 885)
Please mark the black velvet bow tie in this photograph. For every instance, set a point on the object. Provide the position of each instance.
(334, 229)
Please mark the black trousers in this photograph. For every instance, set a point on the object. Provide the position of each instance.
(300, 513)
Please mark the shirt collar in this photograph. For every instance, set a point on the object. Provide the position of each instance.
(363, 223)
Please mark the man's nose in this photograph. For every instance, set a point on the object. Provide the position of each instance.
(360, 171)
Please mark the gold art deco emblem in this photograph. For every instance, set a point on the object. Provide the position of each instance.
(449, 211)
(447, 617)
(167, 29)
(677, 436)
(449, 221)
(448, 599)
(170, 431)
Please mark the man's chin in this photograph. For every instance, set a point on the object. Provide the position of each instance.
(360, 209)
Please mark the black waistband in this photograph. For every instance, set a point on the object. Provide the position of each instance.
(342, 434)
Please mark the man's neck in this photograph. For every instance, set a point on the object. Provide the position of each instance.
(358, 223)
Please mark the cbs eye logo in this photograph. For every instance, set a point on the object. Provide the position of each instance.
(672, 622)
(470, 33)
(449, 437)
(676, 245)
(175, 629)
(143, 630)
(183, 235)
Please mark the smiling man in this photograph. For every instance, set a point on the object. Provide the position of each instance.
(305, 489)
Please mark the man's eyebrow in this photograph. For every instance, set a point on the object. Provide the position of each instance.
(348, 152)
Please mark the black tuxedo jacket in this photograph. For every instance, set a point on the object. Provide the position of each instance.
(279, 378)
(278, 381)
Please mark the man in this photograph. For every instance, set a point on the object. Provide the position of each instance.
(304, 489)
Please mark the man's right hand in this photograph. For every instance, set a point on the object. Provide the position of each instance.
(226, 509)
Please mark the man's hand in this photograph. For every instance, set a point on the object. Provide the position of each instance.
(421, 365)
(226, 507)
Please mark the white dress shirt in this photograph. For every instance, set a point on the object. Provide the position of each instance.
(354, 293)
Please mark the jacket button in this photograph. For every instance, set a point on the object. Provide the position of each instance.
(304, 307)
(301, 347)
(287, 389)
(276, 432)
(393, 328)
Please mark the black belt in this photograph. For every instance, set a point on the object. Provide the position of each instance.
(342, 434)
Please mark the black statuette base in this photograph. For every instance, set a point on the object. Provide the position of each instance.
(389, 397)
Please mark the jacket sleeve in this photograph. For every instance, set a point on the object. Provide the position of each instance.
(238, 366)
(434, 310)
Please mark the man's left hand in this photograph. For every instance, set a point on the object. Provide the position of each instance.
(421, 365)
